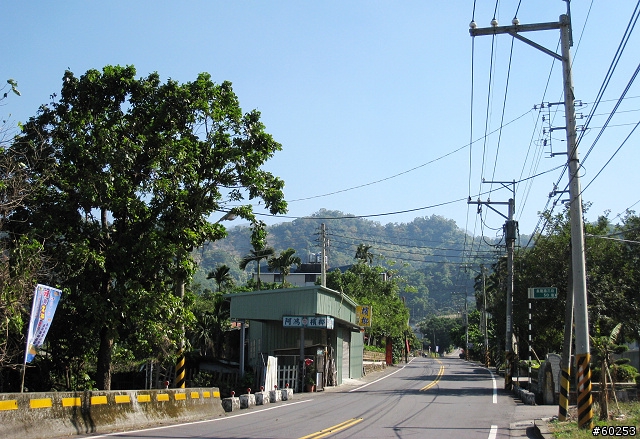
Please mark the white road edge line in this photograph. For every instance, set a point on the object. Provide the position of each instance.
(493, 433)
(198, 422)
(380, 379)
(495, 387)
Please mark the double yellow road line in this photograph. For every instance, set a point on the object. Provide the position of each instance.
(438, 377)
(336, 428)
(351, 422)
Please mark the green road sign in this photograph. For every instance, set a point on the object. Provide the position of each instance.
(543, 293)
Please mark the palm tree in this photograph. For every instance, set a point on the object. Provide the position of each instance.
(363, 254)
(284, 262)
(256, 255)
(222, 276)
(212, 321)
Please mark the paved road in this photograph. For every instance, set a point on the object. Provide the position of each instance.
(426, 398)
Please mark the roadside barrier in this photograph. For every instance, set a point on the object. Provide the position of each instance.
(43, 415)
(262, 397)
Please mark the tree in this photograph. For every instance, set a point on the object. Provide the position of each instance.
(256, 255)
(441, 331)
(373, 286)
(212, 320)
(140, 165)
(363, 254)
(604, 347)
(612, 281)
(22, 262)
(221, 276)
(284, 262)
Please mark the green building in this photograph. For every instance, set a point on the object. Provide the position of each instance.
(279, 319)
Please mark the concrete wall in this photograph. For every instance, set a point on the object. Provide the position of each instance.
(44, 415)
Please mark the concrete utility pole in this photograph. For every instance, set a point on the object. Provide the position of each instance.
(323, 266)
(585, 409)
(511, 231)
(484, 317)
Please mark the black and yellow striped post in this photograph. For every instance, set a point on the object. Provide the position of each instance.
(563, 402)
(585, 403)
(180, 370)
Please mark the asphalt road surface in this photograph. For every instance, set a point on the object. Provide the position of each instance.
(426, 398)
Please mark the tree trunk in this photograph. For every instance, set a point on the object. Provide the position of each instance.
(258, 270)
(604, 394)
(105, 351)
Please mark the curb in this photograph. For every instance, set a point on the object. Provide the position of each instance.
(542, 428)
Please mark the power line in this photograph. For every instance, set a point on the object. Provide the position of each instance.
(415, 167)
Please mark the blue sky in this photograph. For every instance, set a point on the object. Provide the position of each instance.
(373, 102)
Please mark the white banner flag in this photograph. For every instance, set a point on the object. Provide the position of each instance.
(45, 301)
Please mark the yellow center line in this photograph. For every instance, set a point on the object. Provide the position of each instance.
(336, 428)
(434, 382)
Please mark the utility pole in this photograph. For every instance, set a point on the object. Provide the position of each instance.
(323, 255)
(511, 231)
(585, 409)
(485, 330)
(466, 327)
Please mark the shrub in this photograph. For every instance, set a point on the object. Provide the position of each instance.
(623, 373)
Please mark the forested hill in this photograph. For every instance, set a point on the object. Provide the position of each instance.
(427, 253)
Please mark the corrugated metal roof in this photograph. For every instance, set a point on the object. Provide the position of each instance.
(304, 301)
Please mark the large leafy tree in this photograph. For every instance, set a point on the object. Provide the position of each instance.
(21, 259)
(373, 286)
(140, 165)
(442, 331)
(612, 282)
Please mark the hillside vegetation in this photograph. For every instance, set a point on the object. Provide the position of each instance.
(426, 253)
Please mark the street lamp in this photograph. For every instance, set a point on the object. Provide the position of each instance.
(229, 216)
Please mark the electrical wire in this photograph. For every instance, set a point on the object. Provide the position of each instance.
(599, 96)
(415, 167)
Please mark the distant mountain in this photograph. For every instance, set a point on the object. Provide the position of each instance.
(436, 258)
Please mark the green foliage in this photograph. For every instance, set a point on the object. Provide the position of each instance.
(363, 254)
(373, 286)
(424, 253)
(222, 277)
(256, 255)
(535, 365)
(629, 415)
(22, 260)
(14, 88)
(612, 278)
(211, 313)
(443, 332)
(284, 262)
(203, 379)
(623, 373)
(140, 165)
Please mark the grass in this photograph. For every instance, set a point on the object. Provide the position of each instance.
(630, 412)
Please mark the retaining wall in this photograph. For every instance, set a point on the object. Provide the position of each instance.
(44, 415)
